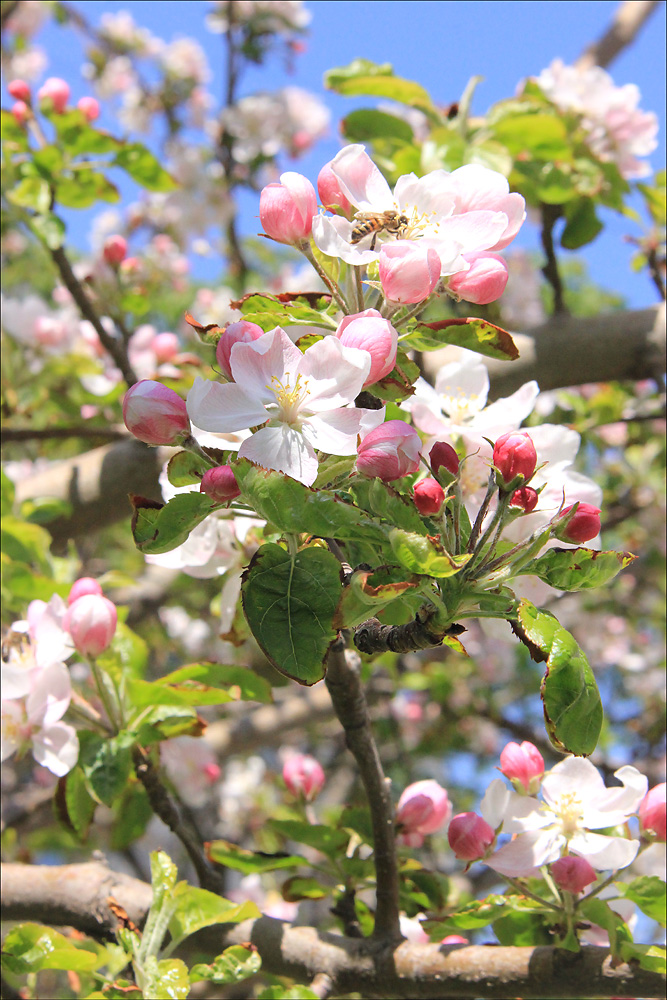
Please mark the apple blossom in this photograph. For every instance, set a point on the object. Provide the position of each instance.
(573, 873)
(304, 776)
(454, 939)
(470, 836)
(84, 585)
(90, 107)
(54, 95)
(91, 621)
(115, 250)
(428, 496)
(165, 346)
(443, 456)
(328, 189)
(286, 210)
(409, 272)
(300, 399)
(242, 332)
(20, 90)
(582, 526)
(485, 280)
(154, 413)
(652, 811)
(20, 112)
(390, 451)
(369, 331)
(191, 765)
(423, 808)
(35, 720)
(523, 765)
(575, 803)
(514, 458)
(220, 484)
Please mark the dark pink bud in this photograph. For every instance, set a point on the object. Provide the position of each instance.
(584, 525)
(90, 107)
(369, 331)
(331, 196)
(652, 812)
(115, 250)
(443, 456)
(220, 484)
(423, 807)
(91, 621)
(429, 496)
(525, 498)
(573, 873)
(303, 775)
(470, 836)
(20, 90)
(523, 765)
(242, 332)
(84, 585)
(154, 413)
(54, 95)
(20, 112)
(484, 282)
(286, 210)
(515, 458)
(389, 451)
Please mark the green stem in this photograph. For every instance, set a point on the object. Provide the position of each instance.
(104, 695)
(306, 250)
(531, 895)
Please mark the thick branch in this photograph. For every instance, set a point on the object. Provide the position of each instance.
(627, 21)
(349, 702)
(77, 896)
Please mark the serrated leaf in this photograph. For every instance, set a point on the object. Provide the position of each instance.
(365, 77)
(323, 838)
(366, 595)
(269, 311)
(233, 965)
(577, 569)
(144, 168)
(197, 908)
(223, 852)
(382, 500)
(161, 527)
(471, 333)
(186, 469)
(289, 602)
(419, 555)
(572, 707)
(30, 948)
(648, 893)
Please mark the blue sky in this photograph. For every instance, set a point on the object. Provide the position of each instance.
(439, 44)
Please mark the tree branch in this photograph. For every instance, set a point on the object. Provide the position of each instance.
(629, 18)
(344, 685)
(77, 896)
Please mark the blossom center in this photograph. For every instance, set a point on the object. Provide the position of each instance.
(462, 407)
(418, 222)
(570, 811)
(289, 400)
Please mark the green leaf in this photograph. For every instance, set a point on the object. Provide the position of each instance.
(543, 134)
(599, 912)
(85, 188)
(399, 383)
(106, 763)
(25, 543)
(289, 309)
(323, 838)
(232, 966)
(186, 469)
(295, 508)
(289, 602)
(577, 569)
(78, 136)
(648, 892)
(420, 555)
(144, 168)
(49, 228)
(287, 993)
(651, 957)
(160, 528)
(197, 908)
(45, 509)
(381, 499)
(193, 685)
(132, 813)
(572, 707)
(296, 888)
(479, 913)
(166, 980)
(367, 595)
(73, 804)
(30, 948)
(367, 124)
(582, 225)
(32, 192)
(14, 136)
(365, 77)
(521, 929)
(473, 334)
(223, 852)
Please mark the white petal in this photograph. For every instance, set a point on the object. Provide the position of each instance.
(332, 237)
(574, 774)
(604, 853)
(467, 379)
(335, 432)
(615, 805)
(493, 806)
(509, 412)
(283, 449)
(526, 852)
(335, 374)
(474, 231)
(231, 589)
(254, 364)
(360, 179)
(50, 697)
(56, 748)
(223, 408)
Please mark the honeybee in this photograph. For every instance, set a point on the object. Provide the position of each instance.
(375, 223)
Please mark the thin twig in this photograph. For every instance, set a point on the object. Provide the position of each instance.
(627, 21)
(48, 433)
(550, 215)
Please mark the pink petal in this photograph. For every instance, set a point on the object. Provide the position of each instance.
(360, 180)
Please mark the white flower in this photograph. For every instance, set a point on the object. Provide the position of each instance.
(34, 720)
(576, 802)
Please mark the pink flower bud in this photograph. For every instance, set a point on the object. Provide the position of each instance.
(328, 188)
(90, 107)
(54, 95)
(523, 765)
(286, 210)
(429, 496)
(212, 772)
(368, 331)
(242, 332)
(115, 250)
(20, 112)
(515, 458)
(573, 873)
(20, 90)
(423, 807)
(484, 282)
(389, 451)
(91, 621)
(584, 525)
(454, 939)
(470, 836)
(166, 346)
(303, 775)
(525, 498)
(408, 272)
(84, 585)
(443, 456)
(154, 413)
(652, 812)
(220, 484)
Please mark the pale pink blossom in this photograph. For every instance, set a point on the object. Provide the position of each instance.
(20, 112)
(652, 810)
(409, 272)
(573, 873)
(154, 413)
(54, 95)
(423, 808)
(84, 585)
(286, 210)
(34, 721)
(369, 331)
(90, 106)
(220, 484)
(470, 836)
(328, 189)
(485, 280)
(242, 332)
(390, 451)
(91, 621)
(115, 250)
(191, 765)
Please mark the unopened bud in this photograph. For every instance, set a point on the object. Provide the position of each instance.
(514, 458)
(582, 526)
(303, 775)
(652, 812)
(242, 332)
(470, 836)
(389, 451)
(286, 210)
(84, 585)
(91, 621)
(573, 873)
(423, 807)
(220, 484)
(53, 95)
(525, 498)
(154, 413)
(90, 107)
(428, 496)
(523, 765)
(115, 250)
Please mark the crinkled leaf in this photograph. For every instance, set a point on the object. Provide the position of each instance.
(648, 893)
(572, 707)
(164, 722)
(577, 569)
(421, 556)
(186, 469)
(201, 684)
(144, 168)
(232, 966)
(197, 908)
(333, 469)
(365, 77)
(399, 383)
(32, 947)
(367, 595)
(323, 838)
(469, 332)
(289, 309)
(289, 602)
(166, 980)
(160, 528)
(241, 860)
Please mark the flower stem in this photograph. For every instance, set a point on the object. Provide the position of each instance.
(306, 250)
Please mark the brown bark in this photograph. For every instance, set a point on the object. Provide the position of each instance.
(629, 18)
